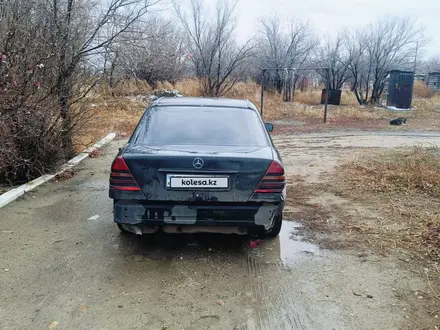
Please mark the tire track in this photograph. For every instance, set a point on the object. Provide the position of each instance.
(276, 307)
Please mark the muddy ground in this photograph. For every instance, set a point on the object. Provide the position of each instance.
(64, 264)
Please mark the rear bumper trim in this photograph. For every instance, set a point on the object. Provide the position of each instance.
(246, 215)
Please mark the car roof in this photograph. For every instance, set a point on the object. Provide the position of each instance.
(204, 102)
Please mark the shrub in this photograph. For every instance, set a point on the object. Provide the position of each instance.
(29, 144)
(422, 90)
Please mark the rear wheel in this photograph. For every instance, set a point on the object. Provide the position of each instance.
(275, 230)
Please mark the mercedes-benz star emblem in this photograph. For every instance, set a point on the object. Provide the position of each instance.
(198, 163)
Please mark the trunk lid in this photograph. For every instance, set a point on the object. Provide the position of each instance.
(169, 173)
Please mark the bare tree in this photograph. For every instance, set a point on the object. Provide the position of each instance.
(80, 30)
(378, 48)
(29, 135)
(211, 46)
(333, 55)
(433, 64)
(45, 47)
(281, 47)
(152, 51)
(357, 63)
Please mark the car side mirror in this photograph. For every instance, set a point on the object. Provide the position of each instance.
(269, 127)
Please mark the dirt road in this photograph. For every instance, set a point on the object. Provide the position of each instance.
(64, 264)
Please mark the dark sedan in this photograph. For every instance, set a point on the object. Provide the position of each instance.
(199, 165)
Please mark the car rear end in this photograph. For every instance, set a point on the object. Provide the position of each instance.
(198, 169)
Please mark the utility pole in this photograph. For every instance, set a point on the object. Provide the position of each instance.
(262, 91)
(414, 74)
(326, 96)
(415, 58)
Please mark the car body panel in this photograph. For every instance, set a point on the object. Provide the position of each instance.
(244, 173)
(151, 166)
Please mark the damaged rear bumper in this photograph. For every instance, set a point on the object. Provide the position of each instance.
(167, 216)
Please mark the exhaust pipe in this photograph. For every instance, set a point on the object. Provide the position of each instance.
(137, 230)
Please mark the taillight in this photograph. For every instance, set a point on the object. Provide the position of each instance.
(121, 178)
(273, 181)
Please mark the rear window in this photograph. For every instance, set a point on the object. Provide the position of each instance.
(201, 126)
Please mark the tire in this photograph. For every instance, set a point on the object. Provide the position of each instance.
(275, 230)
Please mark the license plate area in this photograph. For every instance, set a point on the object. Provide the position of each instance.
(188, 181)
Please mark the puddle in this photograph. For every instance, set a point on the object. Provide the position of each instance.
(292, 249)
(288, 249)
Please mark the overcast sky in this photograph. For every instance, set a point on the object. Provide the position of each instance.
(330, 16)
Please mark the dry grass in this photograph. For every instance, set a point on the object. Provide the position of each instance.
(427, 106)
(119, 115)
(164, 85)
(421, 90)
(300, 208)
(113, 110)
(273, 103)
(312, 96)
(4, 188)
(380, 203)
(307, 103)
(66, 175)
(393, 207)
(380, 200)
(121, 112)
(404, 185)
(384, 203)
(338, 112)
(416, 170)
(123, 87)
(188, 87)
(96, 153)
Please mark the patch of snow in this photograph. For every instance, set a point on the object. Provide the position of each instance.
(397, 109)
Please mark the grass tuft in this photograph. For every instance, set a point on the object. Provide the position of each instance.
(404, 184)
(410, 171)
(421, 90)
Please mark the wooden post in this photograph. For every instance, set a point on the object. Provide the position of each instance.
(262, 92)
(326, 97)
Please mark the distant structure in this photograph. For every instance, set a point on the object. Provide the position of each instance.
(434, 81)
(421, 77)
(400, 89)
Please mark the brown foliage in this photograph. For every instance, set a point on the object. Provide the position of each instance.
(65, 175)
(422, 90)
(95, 153)
(30, 144)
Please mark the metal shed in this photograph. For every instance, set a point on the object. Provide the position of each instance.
(434, 81)
(400, 89)
(421, 77)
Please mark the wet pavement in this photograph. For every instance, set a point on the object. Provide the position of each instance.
(64, 265)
